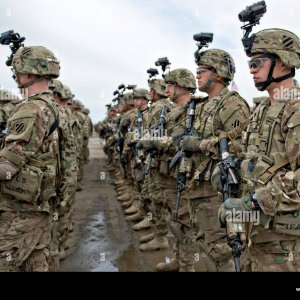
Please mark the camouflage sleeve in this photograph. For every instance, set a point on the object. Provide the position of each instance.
(233, 115)
(27, 128)
(282, 193)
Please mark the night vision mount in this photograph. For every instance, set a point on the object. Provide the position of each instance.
(14, 40)
(202, 39)
(252, 14)
(121, 90)
(164, 63)
(152, 72)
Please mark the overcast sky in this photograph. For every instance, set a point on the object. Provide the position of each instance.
(103, 43)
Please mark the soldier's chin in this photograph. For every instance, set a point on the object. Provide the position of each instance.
(202, 89)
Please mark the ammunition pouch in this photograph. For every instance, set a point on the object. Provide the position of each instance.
(25, 185)
(288, 223)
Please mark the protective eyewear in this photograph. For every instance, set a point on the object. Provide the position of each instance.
(257, 62)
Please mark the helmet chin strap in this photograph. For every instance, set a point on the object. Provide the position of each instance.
(209, 83)
(29, 83)
(176, 96)
(263, 85)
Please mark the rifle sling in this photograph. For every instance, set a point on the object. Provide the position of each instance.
(199, 171)
(267, 176)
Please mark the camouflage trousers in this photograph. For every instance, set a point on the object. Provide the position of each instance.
(180, 228)
(25, 239)
(277, 256)
(208, 235)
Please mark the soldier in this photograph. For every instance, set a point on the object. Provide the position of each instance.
(124, 187)
(88, 133)
(269, 189)
(28, 166)
(68, 164)
(138, 209)
(81, 136)
(180, 85)
(222, 113)
(157, 113)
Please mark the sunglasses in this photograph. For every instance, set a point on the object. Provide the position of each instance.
(257, 62)
(199, 71)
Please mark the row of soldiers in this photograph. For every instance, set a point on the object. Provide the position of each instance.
(44, 148)
(173, 160)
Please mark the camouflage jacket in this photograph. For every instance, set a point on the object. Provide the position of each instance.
(272, 167)
(223, 113)
(32, 147)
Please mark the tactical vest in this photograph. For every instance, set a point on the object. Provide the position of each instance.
(35, 183)
(209, 126)
(265, 152)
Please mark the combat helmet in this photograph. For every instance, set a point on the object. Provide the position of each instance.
(220, 61)
(69, 95)
(57, 87)
(159, 86)
(128, 98)
(76, 104)
(182, 77)
(141, 93)
(36, 60)
(272, 43)
(283, 43)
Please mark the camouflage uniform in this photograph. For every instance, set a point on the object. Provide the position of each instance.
(226, 113)
(158, 211)
(67, 167)
(126, 126)
(31, 151)
(270, 171)
(165, 179)
(79, 132)
(138, 127)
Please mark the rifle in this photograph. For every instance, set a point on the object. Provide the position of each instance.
(230, 184)
(157, 130)
(182, 157)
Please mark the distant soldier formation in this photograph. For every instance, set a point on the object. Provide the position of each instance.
(221, 177)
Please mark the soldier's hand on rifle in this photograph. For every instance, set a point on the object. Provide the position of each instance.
(190, 143)
(163, 143)
(209, 145)
(232, 208)
(147, 145)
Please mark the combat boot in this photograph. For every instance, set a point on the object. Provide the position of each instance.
(173, 266)
(136, 217)
(108, 168)
(119, 182)
(121, 189)
(124, 197)
(133, 209)
(146, 238)
(144, 224)
(127, 204)
(118, 173)
(159, 242)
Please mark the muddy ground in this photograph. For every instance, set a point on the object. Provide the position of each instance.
(102, 240)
